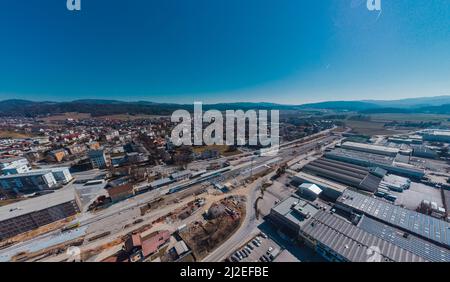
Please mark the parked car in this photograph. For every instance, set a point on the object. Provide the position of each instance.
(234, 258)
(267, 258)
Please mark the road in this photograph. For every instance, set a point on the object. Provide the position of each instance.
(249, 225)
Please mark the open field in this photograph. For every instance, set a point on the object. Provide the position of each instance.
(222, 149)
(65, 116)
(125, 117)
(410, 117)
(13, 134)
(369, 127)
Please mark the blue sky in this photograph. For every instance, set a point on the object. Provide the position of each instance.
(284, 51)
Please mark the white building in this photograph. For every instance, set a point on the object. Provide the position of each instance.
(14, 165)
(368, 148)
(309, 191)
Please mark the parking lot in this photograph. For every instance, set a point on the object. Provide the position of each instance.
(258, 249)
(412, 197)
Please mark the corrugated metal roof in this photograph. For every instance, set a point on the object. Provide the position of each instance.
(414, 244)
(420, 224)
(352, 243)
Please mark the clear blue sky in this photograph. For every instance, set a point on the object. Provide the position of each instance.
(285, 51)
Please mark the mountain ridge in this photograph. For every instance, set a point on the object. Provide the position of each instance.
(96, 107)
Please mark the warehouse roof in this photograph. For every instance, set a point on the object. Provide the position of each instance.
(296, 210)
(363, 146)
(353, 243)
(321, 182)
(36, 204)
(363, 156)
(423, 225)
(414, 244)
(348, 174)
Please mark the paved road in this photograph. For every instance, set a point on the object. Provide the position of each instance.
(249, 226)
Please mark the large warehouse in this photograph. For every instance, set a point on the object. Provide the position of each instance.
(436, 135)
(30, 214)
(347, 174)
(374, 160)
(369, 148)
(414, 244)
(432, 229)
(329, 188)
(338, 240)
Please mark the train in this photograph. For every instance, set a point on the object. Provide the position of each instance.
(201, 178)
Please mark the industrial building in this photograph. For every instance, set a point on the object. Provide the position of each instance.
(410, 140)
(375, 160)
(28, 182)
(429, 228)
(424, 152)
(338, 240)
(436, 135)
(414, 244)
(309, 191)
(30, 214)
(330, 189)
(368, 148)
(347, 174)
(292, 213)
(35, 180)
(395, 183)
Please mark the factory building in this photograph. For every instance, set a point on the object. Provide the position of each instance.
(394, 183)
(432, 229)
(309, 191)
(368, 148)
(424, 152)
(292, 214)
(375, 160)
(436, 135)
(404, 240)
(336, 239)
(330, 189)
(347, 174)
(408, 141)
(30, 214)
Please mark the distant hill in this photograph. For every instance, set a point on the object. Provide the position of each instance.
(413, 102)
(99, 107)
(112, 107)
(341, 105)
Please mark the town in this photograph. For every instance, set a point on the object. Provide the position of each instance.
(117, 189)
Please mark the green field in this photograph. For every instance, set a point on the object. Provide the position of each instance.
(410, 117)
